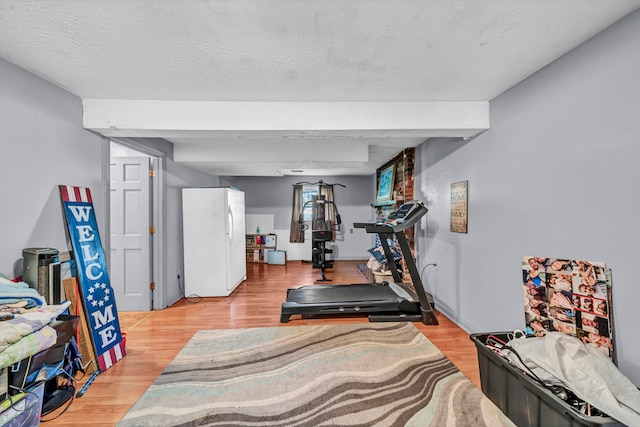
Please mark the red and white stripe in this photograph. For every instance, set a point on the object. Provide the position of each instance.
(75, 194)
(110, 357)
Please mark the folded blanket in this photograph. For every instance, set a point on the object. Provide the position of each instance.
(11, 331)
(28, 346)
(12, 292)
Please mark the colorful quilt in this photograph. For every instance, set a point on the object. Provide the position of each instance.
(29, 345)
(28, 333)
(13, 330)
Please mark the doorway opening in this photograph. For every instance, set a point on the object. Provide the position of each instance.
(133, 222)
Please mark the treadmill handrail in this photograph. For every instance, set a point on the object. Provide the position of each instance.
(428, 315)
(405, 224)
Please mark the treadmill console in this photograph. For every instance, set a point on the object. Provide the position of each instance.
(403, 213)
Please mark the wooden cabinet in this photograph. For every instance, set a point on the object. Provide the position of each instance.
(258, 245)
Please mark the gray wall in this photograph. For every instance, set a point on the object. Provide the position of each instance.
(274, 195)
(554, 176)
(44, 145)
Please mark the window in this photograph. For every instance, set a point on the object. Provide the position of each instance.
(307, 196)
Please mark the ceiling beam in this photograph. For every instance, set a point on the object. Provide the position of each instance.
(278, 151)
(229, 120)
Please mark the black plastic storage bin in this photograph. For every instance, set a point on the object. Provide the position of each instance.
(523, 400)
(23, 373)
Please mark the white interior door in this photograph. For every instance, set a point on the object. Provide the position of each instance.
(130, 237)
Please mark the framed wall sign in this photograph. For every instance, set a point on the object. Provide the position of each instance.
(459, 198)
(385, 184)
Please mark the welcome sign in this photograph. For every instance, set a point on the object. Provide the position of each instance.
(97, 294)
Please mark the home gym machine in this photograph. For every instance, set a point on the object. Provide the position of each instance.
(321, 231)
(383, 302)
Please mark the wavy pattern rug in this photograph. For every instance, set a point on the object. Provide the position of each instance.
(371, 374)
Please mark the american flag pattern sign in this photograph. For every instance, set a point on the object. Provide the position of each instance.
(97, 294)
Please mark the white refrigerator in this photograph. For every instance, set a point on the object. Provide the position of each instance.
(214, 241)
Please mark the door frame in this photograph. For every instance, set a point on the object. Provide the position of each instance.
(157, 217)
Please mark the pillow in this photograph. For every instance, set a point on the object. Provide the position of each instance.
(378, 252)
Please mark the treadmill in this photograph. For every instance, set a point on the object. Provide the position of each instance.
(382, 302)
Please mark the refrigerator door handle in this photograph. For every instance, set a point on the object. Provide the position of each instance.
(230, 224)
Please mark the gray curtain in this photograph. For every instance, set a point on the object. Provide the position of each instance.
(330, 210)
(296, 234)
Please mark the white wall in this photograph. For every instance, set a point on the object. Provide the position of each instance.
(556, 175)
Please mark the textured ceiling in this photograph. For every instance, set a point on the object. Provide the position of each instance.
(243, 55)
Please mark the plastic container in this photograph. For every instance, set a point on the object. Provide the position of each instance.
(23, 373)
(380, 276)
(276, 257)
(24, 408)
(521, 398)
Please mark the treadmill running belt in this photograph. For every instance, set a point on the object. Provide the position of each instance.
(341, 293)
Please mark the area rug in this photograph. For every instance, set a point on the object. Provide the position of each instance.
(370, 374)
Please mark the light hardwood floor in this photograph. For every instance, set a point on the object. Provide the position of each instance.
(155, 338)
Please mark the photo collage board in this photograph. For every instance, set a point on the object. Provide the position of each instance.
(569, 296)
